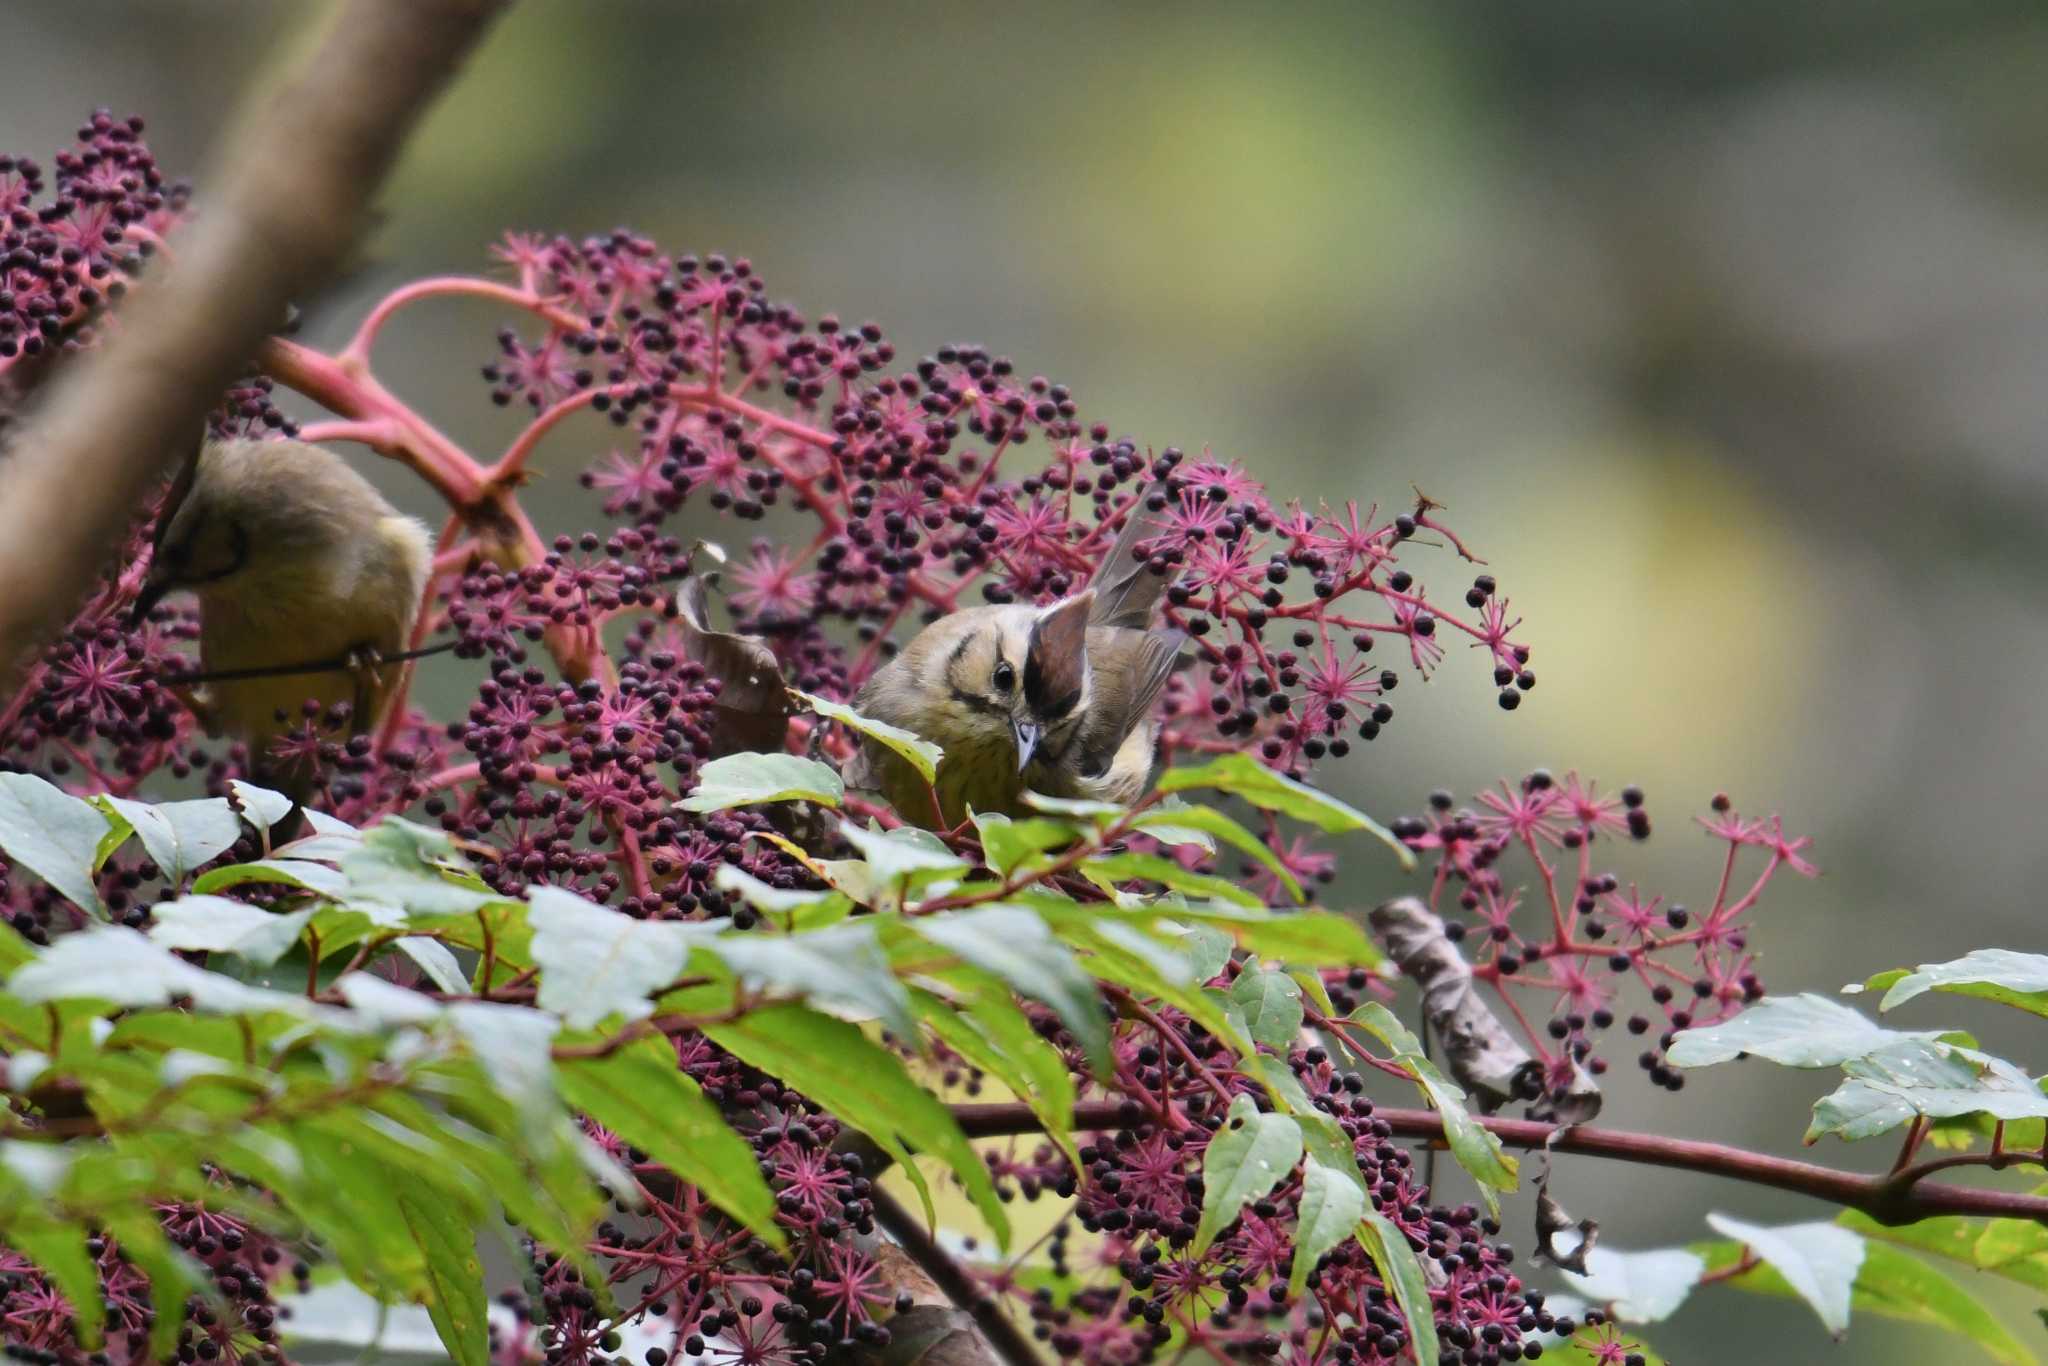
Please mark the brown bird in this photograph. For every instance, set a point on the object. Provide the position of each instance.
(295, 559)
(1055, 699)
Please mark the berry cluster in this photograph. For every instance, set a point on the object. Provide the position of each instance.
(1589, 933)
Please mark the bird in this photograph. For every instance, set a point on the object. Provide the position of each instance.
(296, 559)
(1056, 700)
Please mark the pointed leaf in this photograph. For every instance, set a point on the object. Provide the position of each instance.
(1819, 1261)
(1475, 1147)
(1016, 946)
(1331, 1206)
(181, 836)
(1402, 1273)
(841, 966)
(53, 834)
(596, 962)
(752, 779)
(920, 753)
(1250, 1155)
(216, 924)
(1638, 1287)
(2014, 979)
(260, 806)
(642, 1095)
(1271, 1004)
(1798, 1031)
(455, 1276)
(1243, 776)
(1170, 822)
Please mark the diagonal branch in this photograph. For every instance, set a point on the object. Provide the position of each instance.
(294, 188)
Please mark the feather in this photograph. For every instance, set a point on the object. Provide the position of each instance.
(1126, 589)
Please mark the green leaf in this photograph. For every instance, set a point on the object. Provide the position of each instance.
(180, 836)
(58, 1250)
(1166, 821)
(2002, 975)
(174, 1276)
(1208, 950)
(640, 1094)
(990, 1032)
(1271, 1003)
(2016, 1249)
(1892, 1285)
(301, 873)
(1250, 1155)
(1798, 1031)
(116, 964)
(53, 834)
(841, 966)
(1402, 1273)
(1331, 1206)
(1107, 870)
(1912, 1077)
(751, 779)
(1819, 1261)
(1638, 1287)
(596, 962)
(1314, 937)
(801, 908)
(1475, 1147)
(866, 1086)
(398, 863)
(1007, 845)
(14, 950)
(432, 957)
(260, 806)
(455, 1276)
(218, 925)
(515, 1046)
(1243, 776)
(906, 855)
(1017, 947)
(920, 753)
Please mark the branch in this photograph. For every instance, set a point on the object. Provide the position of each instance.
(296, 182)
(997, 1331)
(1889, 1199)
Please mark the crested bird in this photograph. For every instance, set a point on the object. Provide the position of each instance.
(1057, 699)
(296, 560)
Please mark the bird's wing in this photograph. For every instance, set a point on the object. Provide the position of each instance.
(1126, 589)
(1152, 660)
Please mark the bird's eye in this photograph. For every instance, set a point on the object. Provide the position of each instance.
(1006, 676)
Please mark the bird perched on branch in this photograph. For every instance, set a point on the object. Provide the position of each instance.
(297, 561)
(1055, 699)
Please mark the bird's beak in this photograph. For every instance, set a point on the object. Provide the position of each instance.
(153, 590)
(1027, 742)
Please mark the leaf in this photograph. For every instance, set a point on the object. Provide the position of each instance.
(454, 1275)
(1399, 1268)
(841, 966)
(1331, 1205)
(990, 1032)
(641, 1094)
(1007, 844)
(1819, 1261)
(116, 964)
(1016, 946)
(865, 1086)
(1478, 1151)
(1893, 1285)
(216, 924)
(58, 1250)
(800, 908)
(302, 873)
(434, 960)
(1208, 950)
(1168, 822)
(1916, 1076)
(260, 806)
(398, 863)
(2002, 975)
(2016, 1249)
(53, 834)
(514, 1045)
(920, 753)
(1638, 1287)
(1243, 776)
(752, 779)
(180, 836)
(905, 855)
(596, 962)
(1271, 1004)
(1250, 1155)
(1314, 937)
(1798, 1031)
(1107, 870)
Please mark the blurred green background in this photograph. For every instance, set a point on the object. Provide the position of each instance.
(1721, 331)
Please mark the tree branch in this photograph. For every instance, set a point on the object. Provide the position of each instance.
(295, 185)
(1889, 1199)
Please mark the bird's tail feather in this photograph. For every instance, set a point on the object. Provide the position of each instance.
(1126, 589)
